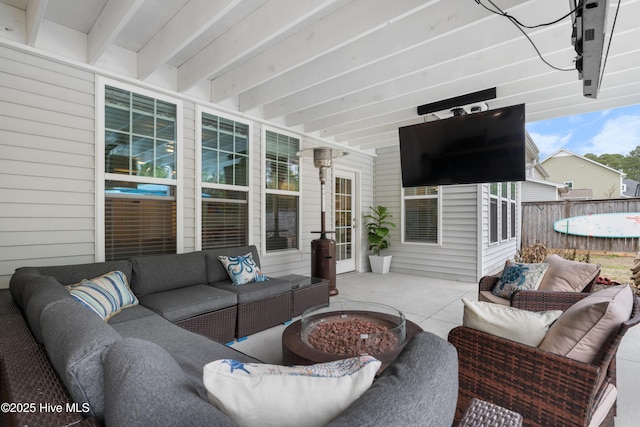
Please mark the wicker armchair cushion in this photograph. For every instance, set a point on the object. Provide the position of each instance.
(567, 276)
(526, 327)
(584, 328)
(255, 394)
(519, 276)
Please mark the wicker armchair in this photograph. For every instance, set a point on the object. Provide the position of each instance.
(545, 388)
(487, 283)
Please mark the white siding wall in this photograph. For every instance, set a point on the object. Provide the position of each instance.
(47, 172)
(456, 258)
(535, 192)
(47, 163)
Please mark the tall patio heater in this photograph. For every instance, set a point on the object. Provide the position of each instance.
(323, 250)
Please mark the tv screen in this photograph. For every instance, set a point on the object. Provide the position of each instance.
(481, 147)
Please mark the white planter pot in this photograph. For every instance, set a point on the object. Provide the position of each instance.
(380, 264)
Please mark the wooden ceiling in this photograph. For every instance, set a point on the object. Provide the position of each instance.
(349, 71)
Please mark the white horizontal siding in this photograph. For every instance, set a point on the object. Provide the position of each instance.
(47, 172)
(534, 192)
(456, 257)
(47, 163)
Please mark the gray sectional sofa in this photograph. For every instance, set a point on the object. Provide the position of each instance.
(141, 368)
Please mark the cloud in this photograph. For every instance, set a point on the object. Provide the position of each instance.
(619, 135)
(549, 143)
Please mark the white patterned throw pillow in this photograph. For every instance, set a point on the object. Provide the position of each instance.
(242, 269)
(255, 394)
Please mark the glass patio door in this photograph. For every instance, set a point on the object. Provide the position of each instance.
(345, 221)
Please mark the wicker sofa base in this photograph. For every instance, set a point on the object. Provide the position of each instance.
(219, 325)
(309, 296)
(44, 393)
(260, 315)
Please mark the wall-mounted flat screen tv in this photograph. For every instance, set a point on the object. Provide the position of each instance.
(474, 148)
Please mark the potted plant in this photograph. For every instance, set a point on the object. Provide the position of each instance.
(379, 238)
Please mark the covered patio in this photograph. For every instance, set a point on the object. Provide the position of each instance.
(435, 305)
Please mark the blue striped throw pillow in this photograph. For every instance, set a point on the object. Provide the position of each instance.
(105, 295)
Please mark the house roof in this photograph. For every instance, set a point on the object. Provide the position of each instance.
(563, 152)
(346, 71)
(578, 194)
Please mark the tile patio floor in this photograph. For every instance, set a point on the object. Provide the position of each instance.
(435, 305)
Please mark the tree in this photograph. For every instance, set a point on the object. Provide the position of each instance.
(629, 164)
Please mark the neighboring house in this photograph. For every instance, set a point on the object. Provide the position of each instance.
(631, 188)
(580, 173)
(538, 187)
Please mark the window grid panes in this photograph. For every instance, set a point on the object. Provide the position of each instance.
(225, 161)
(502, 211)
(140, 135)
(282, 184)
(139, 140)
(282, 164)
(225, 151)
(421, 214)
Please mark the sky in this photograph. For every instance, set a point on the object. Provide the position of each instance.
(615, 131)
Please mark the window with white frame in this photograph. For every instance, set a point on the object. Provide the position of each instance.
(140, 174)
(282, 191)
(502, 211)
(225, 182)
(421, 214)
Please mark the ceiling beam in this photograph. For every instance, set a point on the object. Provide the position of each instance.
(196, 17)
(261, 29)
(481, 69)
(114, 17)
(34, 16)
(426, 27)
(325, 35)
(423, 65)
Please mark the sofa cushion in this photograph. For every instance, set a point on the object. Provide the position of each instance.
(242, 269)
(488, 296)
(216, 271)
(38, 294)
(75, 339)
(160, 273)
(190, 350)
(519, 276)
(70, 274)
(585, 327)
(131, 313)
(105, 295)
(183, 303)
(139, 375)
(256, 291)
(420, 388)
(567, 276)
(64, 274)
(526, 327)
(280, 396)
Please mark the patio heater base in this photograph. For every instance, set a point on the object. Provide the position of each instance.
(323, 262)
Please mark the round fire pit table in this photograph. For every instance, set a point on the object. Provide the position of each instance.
(364, 328)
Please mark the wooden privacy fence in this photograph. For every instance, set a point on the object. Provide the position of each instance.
(538, 219)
